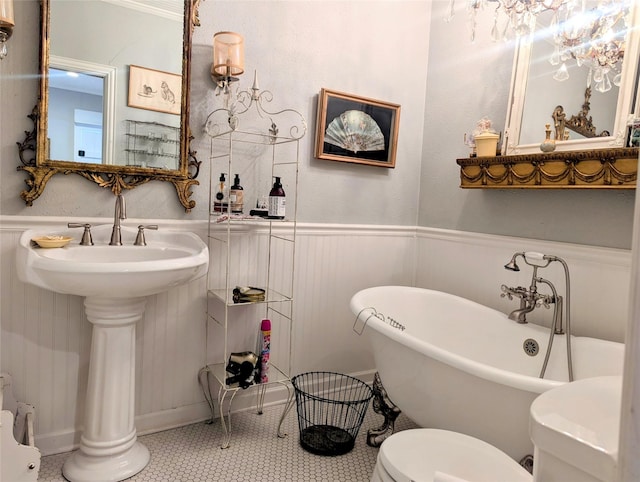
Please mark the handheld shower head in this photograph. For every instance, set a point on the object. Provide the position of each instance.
(512, 265)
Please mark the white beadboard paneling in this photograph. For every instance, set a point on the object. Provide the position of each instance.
(333, 263)
(472, 265)
(45, 338)
(46, 341)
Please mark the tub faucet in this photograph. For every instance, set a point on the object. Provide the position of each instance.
(527, 305)
(120, 213)
(530, 299)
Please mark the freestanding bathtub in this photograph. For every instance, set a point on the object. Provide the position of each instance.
(462, 366)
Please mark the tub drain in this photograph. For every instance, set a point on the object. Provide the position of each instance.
(530, 347)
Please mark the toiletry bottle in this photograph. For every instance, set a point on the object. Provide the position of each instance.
(264, 350)
(221, 203)
(236, 196)
(276, 201)
(548, 145)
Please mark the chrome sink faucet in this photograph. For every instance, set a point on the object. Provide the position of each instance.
(119, 214)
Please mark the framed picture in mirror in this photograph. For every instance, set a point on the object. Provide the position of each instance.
(356, 129)
(154, 90)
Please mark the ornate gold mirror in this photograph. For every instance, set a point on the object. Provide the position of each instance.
(113, 104)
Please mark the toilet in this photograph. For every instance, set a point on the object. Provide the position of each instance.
(432, 455)
(575, 428)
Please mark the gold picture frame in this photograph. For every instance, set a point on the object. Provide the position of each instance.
(356, 129)
(154, 90)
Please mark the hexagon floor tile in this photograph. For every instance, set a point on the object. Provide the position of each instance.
(192, 453)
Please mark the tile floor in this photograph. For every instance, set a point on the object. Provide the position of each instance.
(193, 454)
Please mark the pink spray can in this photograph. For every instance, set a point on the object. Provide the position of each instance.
(265, 348)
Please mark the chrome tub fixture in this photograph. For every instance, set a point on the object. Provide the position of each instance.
(531, 299)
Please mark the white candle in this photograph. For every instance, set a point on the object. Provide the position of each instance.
(6, 12)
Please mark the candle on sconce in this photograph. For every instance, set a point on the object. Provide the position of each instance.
(228, 54)
(7, 23)
(6, 13)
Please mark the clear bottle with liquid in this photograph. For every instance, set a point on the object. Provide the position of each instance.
(221, 202)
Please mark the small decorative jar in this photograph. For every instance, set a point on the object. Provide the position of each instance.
(486, 143)
(548, 145)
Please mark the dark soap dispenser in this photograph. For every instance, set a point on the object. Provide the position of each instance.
(236, 196)
(277, 201)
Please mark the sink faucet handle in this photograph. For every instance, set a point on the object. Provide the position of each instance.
(140, 241)
(86, 240)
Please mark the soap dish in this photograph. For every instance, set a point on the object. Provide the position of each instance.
(52, 241)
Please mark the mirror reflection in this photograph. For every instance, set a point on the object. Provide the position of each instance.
(578, 67)
(556, 80)
(114, 98)
(75, 116)
(80, 127)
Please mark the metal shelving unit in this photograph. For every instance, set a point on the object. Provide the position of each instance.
(248, 250)
(151, 144)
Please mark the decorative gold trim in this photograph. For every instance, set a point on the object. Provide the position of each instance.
(103, 175)
(33, 149)
(600, 168)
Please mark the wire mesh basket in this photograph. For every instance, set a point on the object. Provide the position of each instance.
(331, 408)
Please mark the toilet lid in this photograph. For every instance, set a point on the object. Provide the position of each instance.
(419, 455)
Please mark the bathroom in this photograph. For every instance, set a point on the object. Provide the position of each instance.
(411, 225)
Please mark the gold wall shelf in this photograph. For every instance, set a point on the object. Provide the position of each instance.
(587, 169)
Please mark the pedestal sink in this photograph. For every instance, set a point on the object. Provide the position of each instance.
(114, 281)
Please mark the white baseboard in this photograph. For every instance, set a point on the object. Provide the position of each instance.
(66, 441)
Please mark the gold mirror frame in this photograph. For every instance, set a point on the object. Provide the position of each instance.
(33, 150)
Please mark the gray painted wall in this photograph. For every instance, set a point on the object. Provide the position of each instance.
(397, 51)
(466, 82)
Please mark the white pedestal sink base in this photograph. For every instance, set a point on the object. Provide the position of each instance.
(115, 281)
(108, 447)
(85, 468)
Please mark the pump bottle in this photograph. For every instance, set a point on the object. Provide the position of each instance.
(277, 201)
(236, 196)
(221, 203)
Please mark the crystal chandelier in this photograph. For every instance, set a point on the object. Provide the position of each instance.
(590, 32)
(594, 38)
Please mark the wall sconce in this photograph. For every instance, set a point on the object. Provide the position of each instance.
(6, 25)
(228, 59)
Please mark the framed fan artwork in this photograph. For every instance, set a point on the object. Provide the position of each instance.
(356, 129)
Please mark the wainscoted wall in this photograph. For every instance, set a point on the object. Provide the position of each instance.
(45, 344)
(45, 337)
(472, 265)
